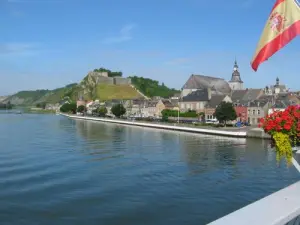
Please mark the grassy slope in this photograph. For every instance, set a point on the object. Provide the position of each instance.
(108, 92)
(48, 96)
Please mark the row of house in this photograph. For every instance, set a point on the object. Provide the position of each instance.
(250, 104)
(204, 93)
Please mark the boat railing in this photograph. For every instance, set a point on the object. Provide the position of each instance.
(279, 208)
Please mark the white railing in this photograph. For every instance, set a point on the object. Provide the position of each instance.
(280, 208)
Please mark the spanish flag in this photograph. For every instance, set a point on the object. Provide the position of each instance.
(282, 26)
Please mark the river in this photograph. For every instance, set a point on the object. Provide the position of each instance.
(55, 170)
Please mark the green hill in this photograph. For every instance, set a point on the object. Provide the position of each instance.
(152, 88)
(31, 98)
(89, 89)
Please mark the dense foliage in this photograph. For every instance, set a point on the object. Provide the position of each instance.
(109, 72)
(30, 98)
(225, 112)
(81, 109)
(102, 111)
(284, 127)
(69, 108)
(41, 105)
(152, 88)
(6, 106)
(174, 113)
(118, 110)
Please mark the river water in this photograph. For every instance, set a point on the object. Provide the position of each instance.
(55, 170)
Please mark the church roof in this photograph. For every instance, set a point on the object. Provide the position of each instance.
(197, 96)
(244, 96)
(236, 76)
(217, 85)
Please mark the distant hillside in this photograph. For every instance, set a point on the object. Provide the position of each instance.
(33, 97)
(152, 88)
(89, 89)
(94, 87)
(2, 98)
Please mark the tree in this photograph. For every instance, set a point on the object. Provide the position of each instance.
(69, 108)
(102, 111)
(118, 110)
(165, 118)
(41, 105)
(81, 109)
(225, 112)
(109, 73)
(152, 88)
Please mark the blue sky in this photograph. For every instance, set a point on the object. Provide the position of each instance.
(46, 44)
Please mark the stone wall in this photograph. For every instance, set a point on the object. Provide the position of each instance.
(104, 80)
(122, 80)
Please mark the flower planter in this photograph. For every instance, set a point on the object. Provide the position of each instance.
(284, 128)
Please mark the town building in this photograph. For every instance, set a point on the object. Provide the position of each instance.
(217, 86)
(242, 113)
(195, 100)
(276, 89)
(256, 110)
(164, 104)
(236, 82)
(212, 104)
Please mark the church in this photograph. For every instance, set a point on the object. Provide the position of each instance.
(218, 86)
(236, 82)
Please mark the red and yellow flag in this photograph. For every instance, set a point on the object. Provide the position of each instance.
(282, 26)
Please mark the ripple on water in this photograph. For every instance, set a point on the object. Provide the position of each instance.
(60, 171)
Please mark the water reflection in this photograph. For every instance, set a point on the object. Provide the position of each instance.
(74, 169)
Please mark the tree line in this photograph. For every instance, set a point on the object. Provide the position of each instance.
(152, 88)
(7, 105)
(118, 109)
(109, 72)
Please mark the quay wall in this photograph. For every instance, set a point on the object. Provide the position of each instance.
(219, 132)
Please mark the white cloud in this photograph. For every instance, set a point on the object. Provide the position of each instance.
(125, 35)
(18, 48)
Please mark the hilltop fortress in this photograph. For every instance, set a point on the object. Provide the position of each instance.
(103, 78)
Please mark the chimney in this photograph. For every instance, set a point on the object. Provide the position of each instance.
(209, 93)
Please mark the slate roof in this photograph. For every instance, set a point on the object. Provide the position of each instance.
(152, 103)
(236, 77)
(217, 85)
(238, 95)
(258, 103)
(279, 104)
(252, 94)
(167, 103)
(174, 101)
(215, 101)
(196, 96)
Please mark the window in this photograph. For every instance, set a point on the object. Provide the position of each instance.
(258, 120)
(258, 112)
(253, 112)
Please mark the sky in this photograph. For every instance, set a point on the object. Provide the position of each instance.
(45, 44)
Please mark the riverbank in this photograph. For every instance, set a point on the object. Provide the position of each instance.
(230, 132)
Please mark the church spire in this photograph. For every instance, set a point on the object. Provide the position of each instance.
(236, 82)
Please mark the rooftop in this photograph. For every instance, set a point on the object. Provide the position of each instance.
(217, 85)
(196, 96)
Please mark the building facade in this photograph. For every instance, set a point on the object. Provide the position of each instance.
(197, 100)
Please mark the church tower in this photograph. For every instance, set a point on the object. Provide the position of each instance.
(236, 82)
